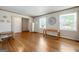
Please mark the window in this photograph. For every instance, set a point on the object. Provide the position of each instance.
(68, 22)
(42, 22)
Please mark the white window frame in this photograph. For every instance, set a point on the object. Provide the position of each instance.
(42, 25)
(75, 21)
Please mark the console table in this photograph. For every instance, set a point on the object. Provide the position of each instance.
(4, 35)
(51, 30)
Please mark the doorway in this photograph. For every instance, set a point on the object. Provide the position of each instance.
(25, 24)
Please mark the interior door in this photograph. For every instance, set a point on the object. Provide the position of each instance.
(25, 24)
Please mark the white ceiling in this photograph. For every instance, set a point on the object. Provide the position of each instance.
(33, 10)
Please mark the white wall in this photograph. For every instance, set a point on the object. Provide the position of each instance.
(15, 22)
(36, 27)
(67, 34)
(30, 24)
(5, 26)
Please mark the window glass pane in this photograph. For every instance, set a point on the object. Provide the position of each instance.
(68, 21)
(42, 22)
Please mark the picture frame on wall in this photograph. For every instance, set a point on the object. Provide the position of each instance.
(1, 20)
(4, 18)
(8, 21)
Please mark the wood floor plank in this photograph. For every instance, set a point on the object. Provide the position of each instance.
(35, 42)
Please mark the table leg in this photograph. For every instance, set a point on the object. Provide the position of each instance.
(58, 35)
(44, 33)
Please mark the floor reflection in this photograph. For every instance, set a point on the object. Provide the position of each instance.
(41, 45)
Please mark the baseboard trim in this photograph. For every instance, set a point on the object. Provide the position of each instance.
(60, 37)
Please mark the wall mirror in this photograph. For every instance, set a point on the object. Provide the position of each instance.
(52, 20)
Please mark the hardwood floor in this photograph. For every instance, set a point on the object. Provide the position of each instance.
(35, 42)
